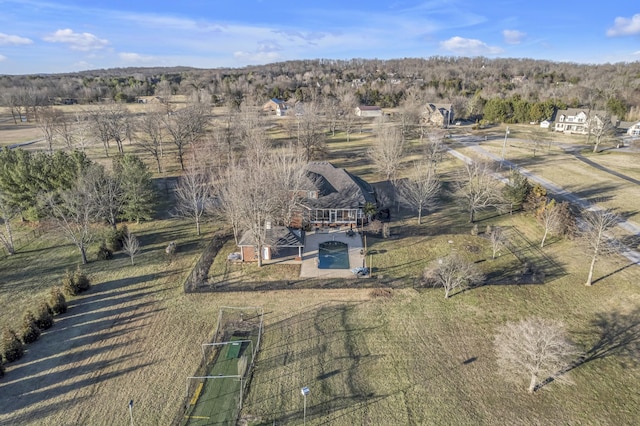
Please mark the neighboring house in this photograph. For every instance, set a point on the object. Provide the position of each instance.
(275, 105)
(439, 115)
(333, 197)
(634, 129)
(368, 111)
(581, 121)
(282, 241)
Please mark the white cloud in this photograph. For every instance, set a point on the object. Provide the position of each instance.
(135, 57)
(2, 58)
(636, 53)
(14, 40)
(469, 47)
(513, 36)
(77, 41)
(82, 65)
(256, 57)
(625, 26)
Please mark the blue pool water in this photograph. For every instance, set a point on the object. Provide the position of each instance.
(333, 255)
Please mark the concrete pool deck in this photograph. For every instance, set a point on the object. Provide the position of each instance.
(309, 267)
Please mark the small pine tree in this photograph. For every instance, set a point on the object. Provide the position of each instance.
(57, 301)
(68, 284)
(44, 316)
(104, 253)
(12, 347)
(81, 280)
(30, 331)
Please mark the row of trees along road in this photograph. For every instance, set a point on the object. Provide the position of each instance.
(73, 192)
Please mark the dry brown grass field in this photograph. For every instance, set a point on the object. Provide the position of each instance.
(410, 358)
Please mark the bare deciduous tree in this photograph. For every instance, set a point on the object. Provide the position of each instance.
(477, 188)
(309, 131)
(348, 103)
(498, 239)
(48, 119)
(185, 126)
(535, 348)
(131, 245)
(596, 225)
(152, 128)
(602, 129)
(420, 190)
(74, 213)
(454, 272)
(550, 219)
(193, 191)
(387, 151)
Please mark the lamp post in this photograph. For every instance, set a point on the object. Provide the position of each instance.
(131, 411)
(504, 145)
(305, 392)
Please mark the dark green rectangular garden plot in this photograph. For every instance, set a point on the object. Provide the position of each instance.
(234, 350)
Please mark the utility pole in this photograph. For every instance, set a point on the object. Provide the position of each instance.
(504, 145)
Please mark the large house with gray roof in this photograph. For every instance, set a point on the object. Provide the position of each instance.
(334, 197)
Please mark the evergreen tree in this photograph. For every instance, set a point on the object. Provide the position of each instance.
(30, 331)
(44, 316)
(12, 347)
(137, 188)
(57, 301)
(516, 190)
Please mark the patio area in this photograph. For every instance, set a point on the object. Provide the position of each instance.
(309, 267)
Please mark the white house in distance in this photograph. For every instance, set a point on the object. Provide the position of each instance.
(575, 120)
(368, 111)
(634, 129)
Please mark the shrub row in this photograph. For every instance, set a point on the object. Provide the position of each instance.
(12, 345)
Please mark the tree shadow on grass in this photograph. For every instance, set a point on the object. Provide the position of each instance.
(613, 334)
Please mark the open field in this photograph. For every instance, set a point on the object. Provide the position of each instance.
(413, 358)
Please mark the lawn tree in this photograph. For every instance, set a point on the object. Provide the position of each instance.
(549, 218)
(348, 104)
(596, 224)
(498, 239)
(131, 245)
(332, 112)
(106, 192)
(516, 190)
(387, 150)
(193, 192)
(433, 145)
(151, 127)
(7, 213)
(454, 272)
(408, 114)
(65, 129)
(47, 120)
(138, 194)
(82, 130)
(603, 130)
(111, 121)
(477, 189)
(535, 348)
(185, 126)
(230, 201)
(310, 135)
(419, 191)
(74, 212)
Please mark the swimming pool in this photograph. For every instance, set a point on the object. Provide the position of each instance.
(333, 255)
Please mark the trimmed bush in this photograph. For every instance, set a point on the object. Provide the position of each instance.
(12, 347)
(82, 281)
(57, 301)
(104, 253)
(44, 316)
(76, 283)
(68, 285)
(30, 331)
(115, 239)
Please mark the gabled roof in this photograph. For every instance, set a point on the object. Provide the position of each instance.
(442, 108)
(277, 236)
(337, 188)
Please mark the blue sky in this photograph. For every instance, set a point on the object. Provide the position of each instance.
(61, 36)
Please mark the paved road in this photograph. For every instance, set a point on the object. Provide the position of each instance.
(632, 255)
